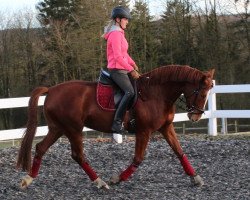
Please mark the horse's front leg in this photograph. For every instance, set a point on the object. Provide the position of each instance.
(169, 134)
(140, 147)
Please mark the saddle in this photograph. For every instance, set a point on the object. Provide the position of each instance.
(109, 94)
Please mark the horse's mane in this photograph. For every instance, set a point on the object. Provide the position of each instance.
(179, 73)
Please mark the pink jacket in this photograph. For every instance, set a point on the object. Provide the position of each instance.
(117, 50)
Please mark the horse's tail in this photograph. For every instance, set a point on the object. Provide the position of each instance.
(24, 155)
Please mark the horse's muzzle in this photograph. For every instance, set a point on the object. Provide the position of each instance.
(194, 117)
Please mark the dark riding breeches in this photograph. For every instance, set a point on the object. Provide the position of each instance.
(120, 77)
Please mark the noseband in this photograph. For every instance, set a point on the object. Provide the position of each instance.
(191, 109)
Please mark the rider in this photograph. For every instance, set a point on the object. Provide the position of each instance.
(120, 64)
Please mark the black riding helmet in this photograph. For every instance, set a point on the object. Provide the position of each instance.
(120, 12)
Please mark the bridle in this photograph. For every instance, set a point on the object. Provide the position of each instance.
(190, 109)
(193, 109)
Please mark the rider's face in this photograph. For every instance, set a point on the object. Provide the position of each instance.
(123, 22)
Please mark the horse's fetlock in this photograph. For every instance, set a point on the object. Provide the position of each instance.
(197, 180)
(115, 179)
(26, 181)
(100, 183)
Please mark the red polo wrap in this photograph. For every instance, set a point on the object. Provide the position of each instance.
(89, 171)
(35, 167)
(128, 172)
(187, 166)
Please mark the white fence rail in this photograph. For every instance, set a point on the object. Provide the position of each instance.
(212, 113)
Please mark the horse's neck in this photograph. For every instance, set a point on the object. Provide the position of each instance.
(168, 92)
(173, 92)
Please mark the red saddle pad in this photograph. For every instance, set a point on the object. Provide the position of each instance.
(105, 97)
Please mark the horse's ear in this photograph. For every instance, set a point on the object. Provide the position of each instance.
(208, 74)
(211, 72)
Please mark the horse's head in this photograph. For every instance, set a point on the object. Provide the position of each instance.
(197, 94)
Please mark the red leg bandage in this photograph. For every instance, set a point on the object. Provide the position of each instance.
(89, 171)
(128, 172)
(187, 166)
(35, 167)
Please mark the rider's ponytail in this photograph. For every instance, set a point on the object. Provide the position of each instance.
(108, 27)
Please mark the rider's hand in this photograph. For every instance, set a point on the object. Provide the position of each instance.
(135, 75)
(136, 68)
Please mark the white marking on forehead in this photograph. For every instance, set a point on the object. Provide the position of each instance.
(206, 99)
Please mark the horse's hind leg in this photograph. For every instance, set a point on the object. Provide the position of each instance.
(169, 134)
(41, 149)
(76, 141)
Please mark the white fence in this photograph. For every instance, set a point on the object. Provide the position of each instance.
(212, 113)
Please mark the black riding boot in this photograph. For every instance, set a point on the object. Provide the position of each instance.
(117, 125)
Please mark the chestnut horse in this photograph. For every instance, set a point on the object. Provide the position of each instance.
(70, 106)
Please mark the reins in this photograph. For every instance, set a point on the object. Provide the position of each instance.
(193, 108)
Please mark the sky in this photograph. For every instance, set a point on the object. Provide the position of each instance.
(15, 5)
(155, 6)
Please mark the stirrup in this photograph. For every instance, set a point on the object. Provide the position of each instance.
(120, 130)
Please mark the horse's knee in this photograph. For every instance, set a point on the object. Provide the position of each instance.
(137, 161)
(76, 157)
(40, 151)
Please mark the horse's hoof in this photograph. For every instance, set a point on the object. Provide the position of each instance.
(114, 180)
(26, 181)
(197, 181)
(101, 184)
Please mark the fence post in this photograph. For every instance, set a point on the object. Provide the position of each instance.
(224, 126)
(212, 125)
(236, 126)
